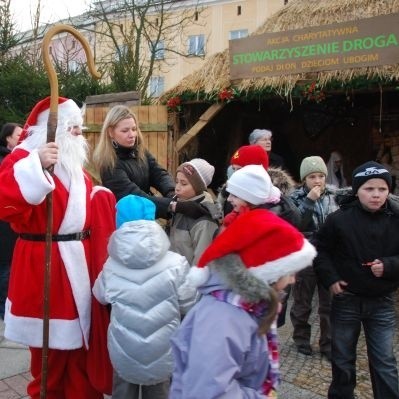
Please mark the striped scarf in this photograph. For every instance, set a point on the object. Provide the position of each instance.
(258, 310)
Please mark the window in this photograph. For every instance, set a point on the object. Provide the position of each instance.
(156, 86)
(122, 52)
(238, 10)
(73, 65)
(158, 49)
(238, 34)
(196, 45)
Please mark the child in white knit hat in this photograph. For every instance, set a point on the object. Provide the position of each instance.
(225, 347)
(195, 218)
(250, 186)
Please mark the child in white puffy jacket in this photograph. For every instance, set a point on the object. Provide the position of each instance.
(145, 284)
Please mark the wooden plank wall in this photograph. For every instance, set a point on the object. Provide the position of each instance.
(153, 125)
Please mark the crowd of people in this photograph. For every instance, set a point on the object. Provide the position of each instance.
(189, 308)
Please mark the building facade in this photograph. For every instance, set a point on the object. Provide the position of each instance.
(197, 29)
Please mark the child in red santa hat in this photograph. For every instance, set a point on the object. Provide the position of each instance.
(225, 346)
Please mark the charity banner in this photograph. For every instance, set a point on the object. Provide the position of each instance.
(355, 44)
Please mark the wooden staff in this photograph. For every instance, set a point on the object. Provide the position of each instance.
(51, 129)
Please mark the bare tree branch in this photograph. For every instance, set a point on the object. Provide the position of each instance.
(133, 34)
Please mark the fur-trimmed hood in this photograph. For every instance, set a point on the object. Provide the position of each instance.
(229, 272)
(344, 196)
(282, 180)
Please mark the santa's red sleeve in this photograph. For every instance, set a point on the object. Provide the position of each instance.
(24, 184)
(102, 225)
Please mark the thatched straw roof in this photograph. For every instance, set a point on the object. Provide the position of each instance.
(298, 14)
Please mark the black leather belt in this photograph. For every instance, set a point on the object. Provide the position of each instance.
(80, 236)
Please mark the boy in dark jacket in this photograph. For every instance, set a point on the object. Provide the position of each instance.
(358, 261)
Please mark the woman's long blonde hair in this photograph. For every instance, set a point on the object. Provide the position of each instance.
(104, 156)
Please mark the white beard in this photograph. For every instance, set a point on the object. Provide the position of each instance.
(72, 153)
(73, 150)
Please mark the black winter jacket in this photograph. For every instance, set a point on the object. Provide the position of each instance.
(352, 236)
(131, 176)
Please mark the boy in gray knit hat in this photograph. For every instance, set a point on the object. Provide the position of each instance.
(315, 201)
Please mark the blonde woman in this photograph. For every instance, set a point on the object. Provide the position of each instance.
(125, 166)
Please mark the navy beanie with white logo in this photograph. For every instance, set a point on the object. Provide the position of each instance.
(367, 171)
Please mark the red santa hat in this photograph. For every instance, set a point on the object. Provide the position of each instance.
(68, 112)
(268, 246)
(250, 155)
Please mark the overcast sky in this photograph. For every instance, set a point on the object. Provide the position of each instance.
(51, 11)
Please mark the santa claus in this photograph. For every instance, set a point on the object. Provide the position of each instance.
(78, 247)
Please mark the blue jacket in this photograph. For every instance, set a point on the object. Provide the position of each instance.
(314, 213)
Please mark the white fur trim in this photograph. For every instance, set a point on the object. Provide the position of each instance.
(72, 252)
(32, 142)
(290, 264)
(34, 182)
(64, 334)
(68, 111)
(198, 276)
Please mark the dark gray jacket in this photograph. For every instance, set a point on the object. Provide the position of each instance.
(190, 236)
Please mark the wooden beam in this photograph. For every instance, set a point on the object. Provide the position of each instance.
(113, 97)
(144, 127)
(203, 120)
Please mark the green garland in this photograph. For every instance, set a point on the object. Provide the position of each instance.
(312, 92)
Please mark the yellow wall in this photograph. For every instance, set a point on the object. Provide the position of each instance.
(216, 20)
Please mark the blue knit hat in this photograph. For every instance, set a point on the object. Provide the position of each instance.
(133, 207)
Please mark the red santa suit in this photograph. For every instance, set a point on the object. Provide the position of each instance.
(22, 203)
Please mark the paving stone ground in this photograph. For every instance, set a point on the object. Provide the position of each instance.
(308, 377)
(304, 377)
